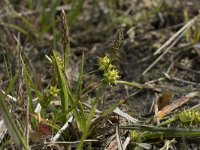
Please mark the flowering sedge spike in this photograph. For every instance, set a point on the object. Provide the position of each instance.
(111, 76)
(105, 63)
(53, 91)
(135, 135)
(190, 116)
(60, 62)
(117, 42)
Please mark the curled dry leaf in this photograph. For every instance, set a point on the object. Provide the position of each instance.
(164, 99)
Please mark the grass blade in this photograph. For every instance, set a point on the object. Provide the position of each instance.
(157, 132)
(29, 85)
(62, 85)
(87, 127)
(10, 86)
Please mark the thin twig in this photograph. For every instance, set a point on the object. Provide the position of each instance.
(190, 70)
(125, 115)
(70, 142)
(9, 96)
(161, 56)
(179, 32)
(155, 80)
(63, 142)
(179, 80)
(38, 108)
(170, 43)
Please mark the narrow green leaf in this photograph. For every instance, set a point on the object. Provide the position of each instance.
(150, 132)
(110, 110)
(16, 27)
(11, 84)
(78, 93)
(86, 131)
(80, 79)
(30, 83)
(66, 96)
(62, 85)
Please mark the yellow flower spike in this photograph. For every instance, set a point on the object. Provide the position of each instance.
(135, 135)
(60, 61)
(111, 76)
(190, 116)
(105, 63)
(110, 73)
(53, 91)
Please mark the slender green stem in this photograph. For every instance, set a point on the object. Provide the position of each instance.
(170, 120)
(66, 55)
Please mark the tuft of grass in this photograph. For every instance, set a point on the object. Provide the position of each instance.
(14, 129)
(71, 99)
(31, 86)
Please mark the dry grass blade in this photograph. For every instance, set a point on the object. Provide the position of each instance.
(126, 142)
(119, 143)
(3, 130)
(38, 108)
(9, 96)
(162, 55)
(183, 29)
(125, 115)
(112, 144)
(177, 103)
(58, 134)
(169, 108)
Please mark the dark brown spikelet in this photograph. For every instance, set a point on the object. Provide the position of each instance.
(65, 29)
(117, 43)
(65, 37)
